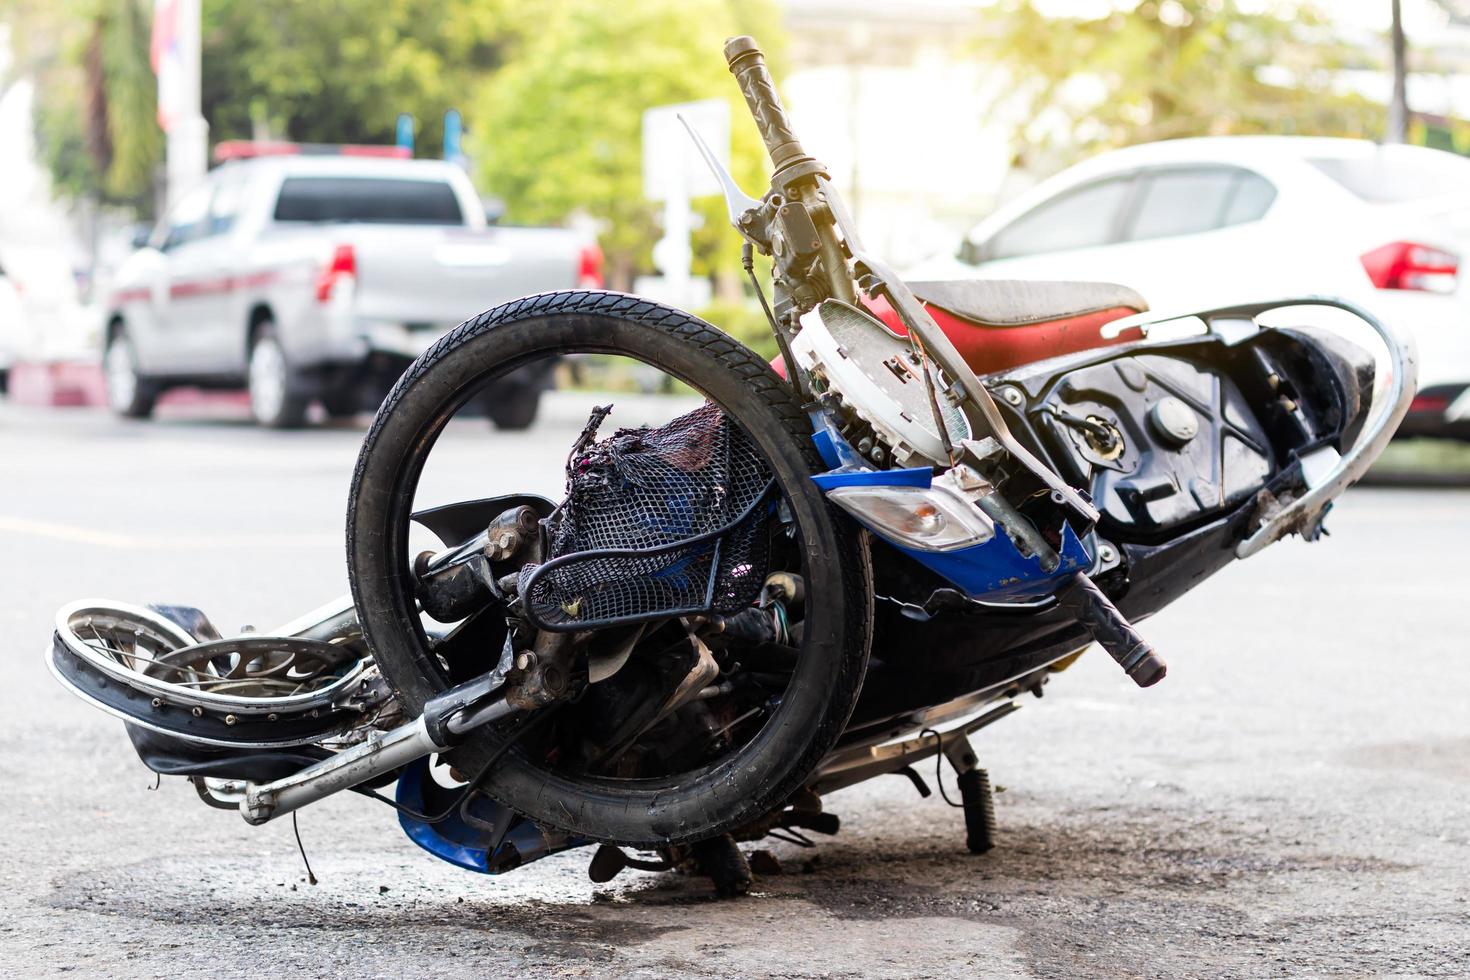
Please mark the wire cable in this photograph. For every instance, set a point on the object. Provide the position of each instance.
(793, 375)
(296, 829)
(938, 770)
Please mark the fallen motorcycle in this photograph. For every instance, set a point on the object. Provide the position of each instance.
(837, 565)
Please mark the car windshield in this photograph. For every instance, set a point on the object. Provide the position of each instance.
(1387, 177)
(368, 199)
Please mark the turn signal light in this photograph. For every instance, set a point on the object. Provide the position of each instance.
(922, 519)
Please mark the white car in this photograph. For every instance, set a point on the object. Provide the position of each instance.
(10, 327)
(307, 276)
(1194, 223)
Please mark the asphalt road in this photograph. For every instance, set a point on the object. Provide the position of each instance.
(1292, 801)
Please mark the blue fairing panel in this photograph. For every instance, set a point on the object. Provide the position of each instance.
(469, 846)
(919, 476)
(997, 572)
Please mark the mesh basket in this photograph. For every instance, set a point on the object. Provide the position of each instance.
(657, 522)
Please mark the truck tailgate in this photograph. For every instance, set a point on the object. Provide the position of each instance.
(438, 276)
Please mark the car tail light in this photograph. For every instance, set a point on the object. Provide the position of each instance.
(342, 266)
(1409, 265)
(1429, 403)
(589, 267)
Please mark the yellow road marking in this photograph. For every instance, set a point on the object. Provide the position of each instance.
(97, 537)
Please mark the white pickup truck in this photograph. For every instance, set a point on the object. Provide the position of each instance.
(320, 277)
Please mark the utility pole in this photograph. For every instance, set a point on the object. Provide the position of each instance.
(1398, 106)
(176, 58)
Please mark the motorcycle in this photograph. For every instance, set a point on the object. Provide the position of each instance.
(841, 563)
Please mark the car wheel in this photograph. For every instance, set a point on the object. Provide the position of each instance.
(129, 394)
(276, 397)
(515, 411)
(342, 403)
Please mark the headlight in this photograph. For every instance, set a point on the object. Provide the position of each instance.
(923, 519)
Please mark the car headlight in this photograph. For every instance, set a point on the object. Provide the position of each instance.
(925, 519)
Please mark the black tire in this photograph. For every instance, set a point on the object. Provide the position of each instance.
(285, 406)
(343, 402)
(515, 411)
(747, 782)
(129, 394)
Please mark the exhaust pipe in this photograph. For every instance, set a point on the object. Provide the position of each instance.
(446, 719)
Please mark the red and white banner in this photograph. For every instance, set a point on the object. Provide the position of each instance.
(167, 56)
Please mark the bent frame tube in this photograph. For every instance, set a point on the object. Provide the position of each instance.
(1403, 361)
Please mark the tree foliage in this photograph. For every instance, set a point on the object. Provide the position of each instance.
(328, 71)
(552, 93)
(559, 130)
(1162, 69)
(340, 71)
(96, 94)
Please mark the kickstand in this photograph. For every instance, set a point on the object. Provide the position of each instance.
(975, 793)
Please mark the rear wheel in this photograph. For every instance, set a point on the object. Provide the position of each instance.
(277, 398)
(342, 402)
(128, 393)
(733, 780)
(515, 411)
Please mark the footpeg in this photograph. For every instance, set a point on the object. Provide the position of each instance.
(1085, 601)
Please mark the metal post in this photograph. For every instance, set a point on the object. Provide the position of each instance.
(179, 100)
(674, 251)
(1398, 106)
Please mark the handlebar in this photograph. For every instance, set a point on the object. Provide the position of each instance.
(748, 66)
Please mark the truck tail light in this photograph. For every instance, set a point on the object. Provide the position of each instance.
(342, 266)
(1409, 265)
(589, 267)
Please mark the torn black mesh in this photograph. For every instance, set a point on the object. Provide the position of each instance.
(659, 521)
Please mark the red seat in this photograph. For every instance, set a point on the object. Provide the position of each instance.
(999, 323)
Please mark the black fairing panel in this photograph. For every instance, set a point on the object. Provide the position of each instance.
(1174, 512)
(1155, 483)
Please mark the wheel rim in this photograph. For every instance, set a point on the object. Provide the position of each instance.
(253, 690)
(267, 379)
(122, 379)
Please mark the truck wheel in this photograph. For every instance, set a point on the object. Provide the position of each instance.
(129, 394)
(343, 402)
(277, 398)
(515, 411)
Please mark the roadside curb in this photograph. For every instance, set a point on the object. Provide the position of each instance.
(57, 383)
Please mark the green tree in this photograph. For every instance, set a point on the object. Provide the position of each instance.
(559, 129)
(340, 71)
(1170, 68)
(323, 71)
(95, 93)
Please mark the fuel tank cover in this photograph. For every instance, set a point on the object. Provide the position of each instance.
(1173, 421)
(1192, 444)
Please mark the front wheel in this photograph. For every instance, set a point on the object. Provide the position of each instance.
(129, 394)
(739, 750)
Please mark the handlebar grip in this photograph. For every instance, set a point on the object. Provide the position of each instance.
(1087, 603)
(748, 66)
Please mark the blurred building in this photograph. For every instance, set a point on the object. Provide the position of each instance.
(890, 96)
(40, 245)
